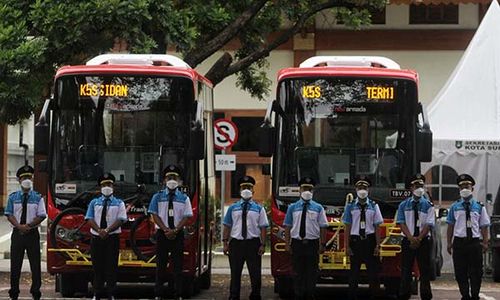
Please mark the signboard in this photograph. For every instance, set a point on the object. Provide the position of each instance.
(400, 193)
(225, 162)
(226, 134)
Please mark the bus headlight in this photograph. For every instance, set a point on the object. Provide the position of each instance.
(61, 232)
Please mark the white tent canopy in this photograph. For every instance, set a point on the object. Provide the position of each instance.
(465, 115)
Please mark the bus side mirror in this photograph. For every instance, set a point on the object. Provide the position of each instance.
(42, 132)
(196, 149)
(424, 145)
(266, 169)
(267, 141)
(42, 139)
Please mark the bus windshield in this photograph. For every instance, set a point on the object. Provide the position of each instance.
(129, 126)
(337, 128)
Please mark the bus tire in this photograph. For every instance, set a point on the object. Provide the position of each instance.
(206, 278)
(189, 286)
(496, 264)
(57, 283)
(133, 242)
(285, 287)
(58, 218)
(66, 286)
(391, 286)
(414, 286)
(71, 284)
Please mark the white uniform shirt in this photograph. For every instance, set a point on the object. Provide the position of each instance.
(426, 214)
(315, 219)
(256, 219)
(478, 216)
(352, 216)
(181, 204)
(35, 206)
(115, 211)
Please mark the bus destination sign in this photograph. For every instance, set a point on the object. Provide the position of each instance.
(380, 93)
(103, 90)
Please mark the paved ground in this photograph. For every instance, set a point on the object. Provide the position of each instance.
(443, 289)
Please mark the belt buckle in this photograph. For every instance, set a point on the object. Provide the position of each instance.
(304, 241)
(362, 237)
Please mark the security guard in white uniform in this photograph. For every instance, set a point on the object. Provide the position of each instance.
(362, 237)
(468, 222)
(25, 211)
(171, 210)
(105, 214)
(305, 233)
(416, 217)
(244, 239)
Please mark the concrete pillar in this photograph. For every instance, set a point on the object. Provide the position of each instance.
(3, 166)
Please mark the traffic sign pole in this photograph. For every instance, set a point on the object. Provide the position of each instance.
(225, 136)
(222, 198)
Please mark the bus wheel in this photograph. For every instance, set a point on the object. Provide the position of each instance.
(391, 286)
(71, 230)
(71, 284)
(206, 278)
(496, 265)
(414, 286)
(284, 287)
(190, 287)
(142, 238)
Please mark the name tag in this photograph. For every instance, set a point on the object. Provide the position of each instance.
(170, 212)
(469, 224)
(362, 225)
(418, 223)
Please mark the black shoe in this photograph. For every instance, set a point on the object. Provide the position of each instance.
(158, 298)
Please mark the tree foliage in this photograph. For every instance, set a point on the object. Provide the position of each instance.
(37, 37)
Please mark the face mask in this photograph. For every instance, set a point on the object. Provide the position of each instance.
(362, 194)
(27, 184)
(246, 194)
(418, 192)
(172, 184)
(306, 195)
(465, 193)
(107, 191)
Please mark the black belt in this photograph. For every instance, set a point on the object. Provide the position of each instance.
(247, 240)
(466, 239)
(356, 237)
(305, 241)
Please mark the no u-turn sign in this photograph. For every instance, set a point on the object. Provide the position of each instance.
(226, 134)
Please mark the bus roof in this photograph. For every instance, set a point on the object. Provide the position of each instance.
(349, 71)
(133, 70)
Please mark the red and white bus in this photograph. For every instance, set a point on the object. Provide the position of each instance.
(131, 115)
(334, 118)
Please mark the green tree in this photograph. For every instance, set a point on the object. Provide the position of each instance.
(37, 37)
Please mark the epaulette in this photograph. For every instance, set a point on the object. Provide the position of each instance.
(430, 202)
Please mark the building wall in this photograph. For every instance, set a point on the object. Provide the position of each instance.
(228, 96)
(16, 154)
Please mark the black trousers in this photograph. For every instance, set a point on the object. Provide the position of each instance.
(241, 251)
(29, 242)
(362, 252)
(104, 254)
(408, 256)
(468, 264)
(305, 259)
(174, 249)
